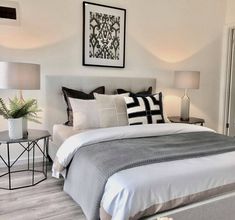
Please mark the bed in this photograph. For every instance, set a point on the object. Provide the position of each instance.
(60, 133)
(185, 188)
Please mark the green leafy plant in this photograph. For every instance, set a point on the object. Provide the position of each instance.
(20, 108)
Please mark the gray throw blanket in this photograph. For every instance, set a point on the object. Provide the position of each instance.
(97, 162)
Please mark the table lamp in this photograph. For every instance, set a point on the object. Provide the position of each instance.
(20, 76)
(186, 80)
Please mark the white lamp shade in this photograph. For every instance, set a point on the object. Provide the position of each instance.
(21, 76)
(187, 79)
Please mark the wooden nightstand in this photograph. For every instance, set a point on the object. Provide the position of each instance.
(192, 120)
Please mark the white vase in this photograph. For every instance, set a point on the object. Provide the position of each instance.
(25, 127)
(15, 128)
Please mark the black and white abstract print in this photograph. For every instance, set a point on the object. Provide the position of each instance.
(104, 30)
(104, 36)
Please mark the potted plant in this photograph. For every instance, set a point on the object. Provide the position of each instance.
(18, 111)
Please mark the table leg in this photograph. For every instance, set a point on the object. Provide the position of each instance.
(43, 162)
(28, 155)
(9, 165)
(33, 162)
(47, 143)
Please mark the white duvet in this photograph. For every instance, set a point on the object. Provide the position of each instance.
(133, 190)
(72, 144)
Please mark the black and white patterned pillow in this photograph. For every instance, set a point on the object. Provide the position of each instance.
(145, 110)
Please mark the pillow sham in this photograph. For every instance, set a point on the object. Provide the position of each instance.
(112, 110)
(84, 114)
(141, 93)
(145, 110)
(71, 93)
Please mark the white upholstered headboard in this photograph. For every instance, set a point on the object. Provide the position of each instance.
(55, 105)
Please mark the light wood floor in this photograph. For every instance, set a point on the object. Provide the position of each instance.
(43, 201)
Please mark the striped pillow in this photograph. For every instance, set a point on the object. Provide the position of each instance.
(145, 110)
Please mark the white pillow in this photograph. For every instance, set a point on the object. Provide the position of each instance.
(112, 110)
(85, 113)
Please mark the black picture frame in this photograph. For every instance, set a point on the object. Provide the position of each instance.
(112, 52)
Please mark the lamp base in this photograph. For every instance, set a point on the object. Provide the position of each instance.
(185, 104)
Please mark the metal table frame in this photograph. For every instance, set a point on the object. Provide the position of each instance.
(31, 146)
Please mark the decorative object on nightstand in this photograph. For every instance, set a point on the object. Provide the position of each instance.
(20, 76)
(192, 120)
(28, 144)
(186, 80)
(16, 112)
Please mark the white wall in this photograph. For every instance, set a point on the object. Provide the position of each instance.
(230, 15)
(162, 36)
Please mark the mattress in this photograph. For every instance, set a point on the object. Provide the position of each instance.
(60, 134)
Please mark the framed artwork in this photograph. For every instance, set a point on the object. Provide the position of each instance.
(104, 29)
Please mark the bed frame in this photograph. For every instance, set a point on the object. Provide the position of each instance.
(219, 208)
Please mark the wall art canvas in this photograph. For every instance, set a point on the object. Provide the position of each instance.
(104, 30)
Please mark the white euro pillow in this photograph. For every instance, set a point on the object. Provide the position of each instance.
(85, 114)
(112, 110)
